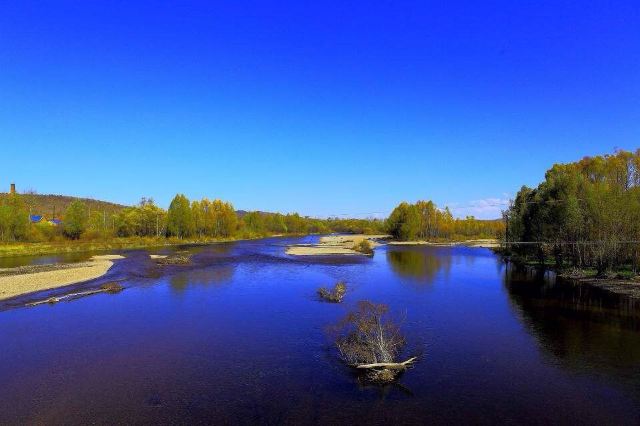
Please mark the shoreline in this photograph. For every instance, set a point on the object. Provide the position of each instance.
(10, 250)
(330, 245)
(629, 287)
(24, 280)
(481, 243)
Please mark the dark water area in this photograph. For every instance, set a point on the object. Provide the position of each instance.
(239, 337)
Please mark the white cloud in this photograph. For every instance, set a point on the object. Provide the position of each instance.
(487, 208)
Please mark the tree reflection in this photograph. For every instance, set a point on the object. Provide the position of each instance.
(584, 328)
(212, 276)
(419, 265)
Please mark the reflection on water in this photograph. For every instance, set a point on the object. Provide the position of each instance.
(237, 337)
(577, 325)
(418, 264)
(212, 276)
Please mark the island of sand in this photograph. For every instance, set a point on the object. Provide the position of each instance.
(334, 244)
(30, 279)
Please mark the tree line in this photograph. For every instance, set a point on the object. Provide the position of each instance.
(184, 219)
(425, 221)
(217, 219)
(585, 214)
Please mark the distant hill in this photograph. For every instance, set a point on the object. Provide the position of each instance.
(243, 213)
(50, 205)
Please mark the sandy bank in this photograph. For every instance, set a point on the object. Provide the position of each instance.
(318, 250)
(334, 244)
(486, 243)
(29, 279)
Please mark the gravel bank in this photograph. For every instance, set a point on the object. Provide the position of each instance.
(29, 279)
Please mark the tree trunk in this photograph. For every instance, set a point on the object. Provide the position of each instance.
(389, 365)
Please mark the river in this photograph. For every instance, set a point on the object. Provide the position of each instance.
(241, 338)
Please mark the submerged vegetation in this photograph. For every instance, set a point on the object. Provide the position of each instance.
(112, 287)
(334, 295)
(585, 215)
(179, 258)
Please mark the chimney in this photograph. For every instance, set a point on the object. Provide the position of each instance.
(13, 188)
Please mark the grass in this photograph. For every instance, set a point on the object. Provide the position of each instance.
(35, 249)
(78, 246)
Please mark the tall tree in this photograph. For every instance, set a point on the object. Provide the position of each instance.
(180, 221)
(14, 218)
(75, 219)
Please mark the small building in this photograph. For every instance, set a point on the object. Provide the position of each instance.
(55, 222)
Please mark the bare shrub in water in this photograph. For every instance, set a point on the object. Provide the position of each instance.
(181, 258)
(369, 340)
(112, 287)
(334, 295)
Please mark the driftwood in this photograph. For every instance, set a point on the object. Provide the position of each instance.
(389, 365)
(111, 287)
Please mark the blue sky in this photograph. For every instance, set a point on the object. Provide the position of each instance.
(318, 107)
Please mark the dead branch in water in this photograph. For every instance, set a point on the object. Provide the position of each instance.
(369, 340)
(390, 365)
(111, 287)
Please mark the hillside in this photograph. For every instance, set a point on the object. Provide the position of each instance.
(50, 205)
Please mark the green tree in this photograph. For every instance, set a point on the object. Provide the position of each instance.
(180, 221)
(75, 219)
(14, 218)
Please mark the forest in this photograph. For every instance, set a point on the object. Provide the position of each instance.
(585, 214)
(216, 219)
(426, 222)
(184, 219)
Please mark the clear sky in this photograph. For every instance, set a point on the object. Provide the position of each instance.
(318, 107)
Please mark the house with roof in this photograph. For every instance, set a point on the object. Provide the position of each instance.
(36, 218)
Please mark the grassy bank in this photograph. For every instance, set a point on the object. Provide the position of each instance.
(78, 246)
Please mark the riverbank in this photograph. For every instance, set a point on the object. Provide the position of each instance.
(335, 245)
(483, 243)
(30, 279)
(622, 283)
(79, 246)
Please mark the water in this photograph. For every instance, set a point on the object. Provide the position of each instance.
(240, 338)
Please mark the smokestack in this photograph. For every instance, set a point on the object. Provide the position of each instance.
(13, 188)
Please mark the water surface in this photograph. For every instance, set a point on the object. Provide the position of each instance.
(239, 338)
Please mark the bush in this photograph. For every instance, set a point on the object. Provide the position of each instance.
(369, 336)
(334, 295)
(364, 247)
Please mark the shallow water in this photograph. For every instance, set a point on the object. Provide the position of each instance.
(239, 338)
